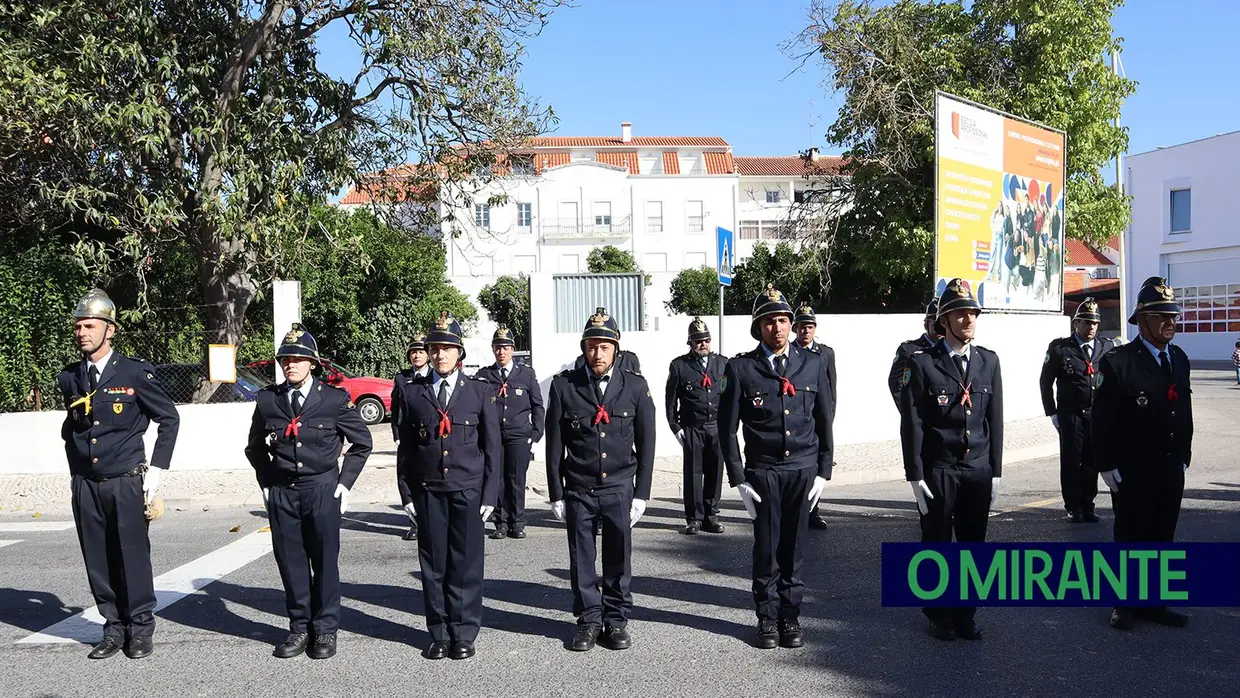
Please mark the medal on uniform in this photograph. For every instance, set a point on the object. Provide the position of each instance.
(757, 402)
(576, 424)
(84, 401)
(1142, 401)
(944, 400)
(117, 407)
(422, 430)
(519, 392)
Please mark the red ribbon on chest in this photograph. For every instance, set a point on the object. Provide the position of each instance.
(1172, 395)
(706, 381)
(966, 398)
(445, 424)
(293, 429)
(1089, 367)
(503, 389)
(602, 416)
(786, 387)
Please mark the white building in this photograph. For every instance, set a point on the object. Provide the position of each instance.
(1184, 229)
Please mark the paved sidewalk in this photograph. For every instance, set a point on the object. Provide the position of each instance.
(855, 464)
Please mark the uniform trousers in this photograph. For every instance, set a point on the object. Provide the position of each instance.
(961, 505)
(703, 472)
(511, 509)
(606, 599)
(1147, 505)
(1078, 478)
(783, 516)
(112, 531)
(451, 538)
(305, 536)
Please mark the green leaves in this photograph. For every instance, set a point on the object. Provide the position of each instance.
(507, 301)
(694, 292)
(610, 259)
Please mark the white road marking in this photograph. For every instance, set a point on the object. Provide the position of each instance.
(34, 526)
(170, 587)
(6, 543)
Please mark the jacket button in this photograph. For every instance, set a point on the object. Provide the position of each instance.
(786, 412)
(298, 444)
(320, 426)
(602, 434)
(503, 419)
(96, 460)
(625, 414)
(467, 422)
(445, 470)
(787, 433)
(1171, 435)
(967, 432)
(505, 406)
(445, 453)
(967, 450)
(969, 412)
(96, 423)
(298, 464)
(787, 453)
(604, 455)
(604, 476)
(94, 441)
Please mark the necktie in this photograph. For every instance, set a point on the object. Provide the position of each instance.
(296, 402)
(1165, 362)
(503, 375)
(781, 363)
(443, 393)
(960, 365)
(600, 386)
(94, 377)
(704, 361)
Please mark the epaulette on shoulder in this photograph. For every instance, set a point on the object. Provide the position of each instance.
(565, 373)
(631, 372)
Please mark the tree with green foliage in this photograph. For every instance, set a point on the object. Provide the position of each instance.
(136, 122)
(694, 292)
(610, 259)
(783, 266)
(507, 301)
(1047, 61)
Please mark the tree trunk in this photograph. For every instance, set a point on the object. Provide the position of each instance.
(228, 291)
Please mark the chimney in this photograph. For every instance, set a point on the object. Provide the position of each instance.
(626, 132)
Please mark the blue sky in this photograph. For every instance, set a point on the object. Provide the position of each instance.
(694, 67)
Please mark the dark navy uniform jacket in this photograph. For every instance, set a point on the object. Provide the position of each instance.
(896, 378)
(938, 427)
(691, 397)
(519, 404)
(1141, 421)
(459, 451)
(288, 450)
(1073, 374)
(828, 357)
(787, 431)
(398, 384)
(587, 452)
(108, 441)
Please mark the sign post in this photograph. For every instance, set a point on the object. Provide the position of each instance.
(725, 245)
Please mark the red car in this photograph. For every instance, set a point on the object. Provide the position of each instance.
(373, 396)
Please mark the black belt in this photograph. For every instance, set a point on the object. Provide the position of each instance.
(129, 473)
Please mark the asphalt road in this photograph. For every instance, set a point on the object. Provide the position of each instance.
(693, 621)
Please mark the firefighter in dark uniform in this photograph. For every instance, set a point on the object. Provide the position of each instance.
(600, 464)
(111, 401)
(1142, 428)
(691, 399)
(294, 444)
(518, 401)
(418, 361)
(951, 430)
(625, 361)
(452, 429)
(781, 395)
(897, 378)
(1068, 381)
(805, 324)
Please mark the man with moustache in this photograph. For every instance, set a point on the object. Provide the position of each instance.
(600, 465)
(454, 475)
(1070, 373)
(780, 394)
(951, 430)
(1142, 429)
(418, 360)
(111, 400)
(898, 377)
(518, 401)
(805, 324)
(691, 400)
(296, 435)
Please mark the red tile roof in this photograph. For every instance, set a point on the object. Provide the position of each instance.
(1080, 254)
(719, 163)
(794, 166)
(620, 158)
(671, 163)
(545, 161)
(634, 142)
(385, 186)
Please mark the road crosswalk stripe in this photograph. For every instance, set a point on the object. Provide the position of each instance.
(35, 526)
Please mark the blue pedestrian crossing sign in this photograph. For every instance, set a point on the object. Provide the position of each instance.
(725, 248)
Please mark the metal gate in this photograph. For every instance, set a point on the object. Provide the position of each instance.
(577, 296)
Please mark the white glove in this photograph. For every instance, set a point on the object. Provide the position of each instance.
(557, 510)
(411, 513)
(921, 492)
(815, 491)
(680, 436)
(150, 483)
(994, 490)
(1112, 478)
(749, 498)
(636, 511)
(1055, 421)
(529, 440)
(265, 494)
(342, 493)
(486, 512)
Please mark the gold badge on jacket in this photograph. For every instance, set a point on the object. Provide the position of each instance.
(118, 407)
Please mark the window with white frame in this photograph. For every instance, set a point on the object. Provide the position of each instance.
(1181, 210)
(482, 216)
(773, 196)
(522, 165)
(602, 215)
(693, 216)
(654, 216)
(525, 215)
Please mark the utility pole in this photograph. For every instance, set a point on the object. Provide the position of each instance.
(1119, 188)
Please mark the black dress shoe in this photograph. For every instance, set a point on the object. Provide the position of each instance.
(292, 646)
(324, 646)
(437, 650)
(411, 534)
(500, 532)
(790, 634)
(712, 526)
(942, 630)
(461, 650)
(1122, 618)
(139, 647)
(585, 637)
(768, 634)
(1163, 616)
(690, 529)
(968, 631)
(517, 533)
(1073, 517)
(1091, 517)
(816, 521)
(616, 638)
(108, 647)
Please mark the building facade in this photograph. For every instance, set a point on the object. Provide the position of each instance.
(1184, 230)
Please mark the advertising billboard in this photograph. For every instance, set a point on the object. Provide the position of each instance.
(999, 206)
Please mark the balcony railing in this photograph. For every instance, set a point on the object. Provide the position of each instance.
(573, 229)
